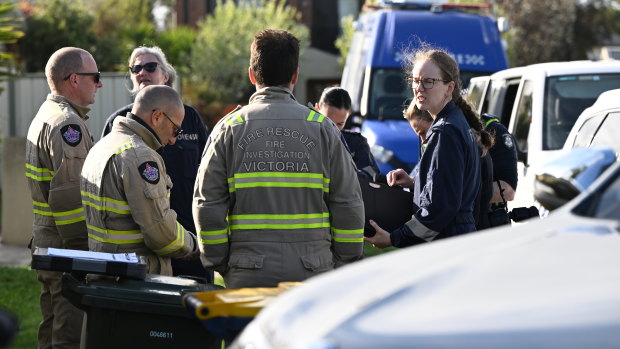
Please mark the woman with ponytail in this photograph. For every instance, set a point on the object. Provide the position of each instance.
(449, 176)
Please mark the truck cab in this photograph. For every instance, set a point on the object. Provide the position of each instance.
(375, 71)
(539, 105)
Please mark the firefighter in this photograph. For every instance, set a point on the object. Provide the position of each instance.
(125, 188)
(148, 65)
(275, 198)
(58, 141)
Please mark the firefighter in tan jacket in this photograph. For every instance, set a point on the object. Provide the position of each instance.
(125, 189)
(58, 141)
(276, 197)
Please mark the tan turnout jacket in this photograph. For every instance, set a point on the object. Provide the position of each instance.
(58, 141)
(125, 192)
(277, 196)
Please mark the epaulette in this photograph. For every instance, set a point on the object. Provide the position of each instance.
(488, 118)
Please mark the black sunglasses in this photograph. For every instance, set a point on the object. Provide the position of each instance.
(177, 129)
(96, 76)
(149, 67)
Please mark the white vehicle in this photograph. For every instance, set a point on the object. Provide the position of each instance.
(598, 125)
(549, 98)
(552, 283)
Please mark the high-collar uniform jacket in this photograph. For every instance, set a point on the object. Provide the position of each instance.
(446, 184)
(58, 142)
(125, 192)
(276, 195)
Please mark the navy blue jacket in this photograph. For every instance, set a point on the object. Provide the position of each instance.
(360, 151)
(447, 182)
(503, 152)
(182, 160)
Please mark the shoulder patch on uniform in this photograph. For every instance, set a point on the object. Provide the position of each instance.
(71, 134)
(508, 141)
(149, 172)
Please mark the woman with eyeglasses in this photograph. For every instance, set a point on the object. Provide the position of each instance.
(448, 179)
(149, 66)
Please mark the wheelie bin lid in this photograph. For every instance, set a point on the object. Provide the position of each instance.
(226, 312)
(155, 294)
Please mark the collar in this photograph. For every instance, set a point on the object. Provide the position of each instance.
(272, 93)
(81, 111)
(447, 110)
(140, 128)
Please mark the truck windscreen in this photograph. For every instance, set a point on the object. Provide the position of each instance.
(565, 98)
(389, 93)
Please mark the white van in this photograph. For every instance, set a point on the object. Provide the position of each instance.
(540, 110)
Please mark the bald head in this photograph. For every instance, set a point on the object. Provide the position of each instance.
(63, 62)
(161, 108)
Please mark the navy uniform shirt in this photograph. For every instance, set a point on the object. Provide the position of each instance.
(360, 151)
(182, 160)
(448, 180)
(503, 152)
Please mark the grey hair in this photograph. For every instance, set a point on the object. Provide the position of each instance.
(161, 58)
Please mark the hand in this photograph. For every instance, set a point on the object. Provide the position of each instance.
(399, 177)
(381, 238)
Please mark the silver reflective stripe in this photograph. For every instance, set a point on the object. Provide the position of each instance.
(176, 244)
(280, 221)
(101, 203)
(117, 237)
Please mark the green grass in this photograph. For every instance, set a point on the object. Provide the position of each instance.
(19, 295)
(370, 251)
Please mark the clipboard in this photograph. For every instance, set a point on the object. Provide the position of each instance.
(116, 264)
(390, 207)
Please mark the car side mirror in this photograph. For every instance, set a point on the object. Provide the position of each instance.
(562, 179)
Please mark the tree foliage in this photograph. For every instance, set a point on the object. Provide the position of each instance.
(343, 43)
(53, 25)
(221, 53)
(9, 33)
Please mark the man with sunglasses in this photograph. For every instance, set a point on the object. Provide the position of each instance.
(125, 187)
(149, 66)
(58, 141)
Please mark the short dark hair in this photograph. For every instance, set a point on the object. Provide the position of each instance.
(274, 57)
(336, 97)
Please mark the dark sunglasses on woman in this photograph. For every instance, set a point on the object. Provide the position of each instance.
(149, 67)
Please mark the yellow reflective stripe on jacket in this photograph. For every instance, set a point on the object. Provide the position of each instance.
(314, 116)
(118, 237)
(234, 119)
(68, 217)
(101, 203)
(41, 208)
(214, 237)
(278, 180)
(40, 174)
(176, 244)
(123, 147)
(348, 235)
(60, 218)
(279, 221)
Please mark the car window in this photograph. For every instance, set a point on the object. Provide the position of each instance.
(524, 116)
(607, 135)
(586, 132)
(565, 98)
(609, 205)
(475, 91)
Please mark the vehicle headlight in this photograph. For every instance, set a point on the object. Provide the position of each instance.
(381, 154)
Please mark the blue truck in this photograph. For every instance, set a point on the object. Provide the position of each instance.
(375, 73)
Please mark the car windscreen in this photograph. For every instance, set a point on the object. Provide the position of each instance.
(389, 93)
(565, 98)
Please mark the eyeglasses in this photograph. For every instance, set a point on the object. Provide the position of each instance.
(149, 67)
(427, 83)
(177, 129)
(96, 76)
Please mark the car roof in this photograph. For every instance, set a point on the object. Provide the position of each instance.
(508, 73)
(573, 67)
